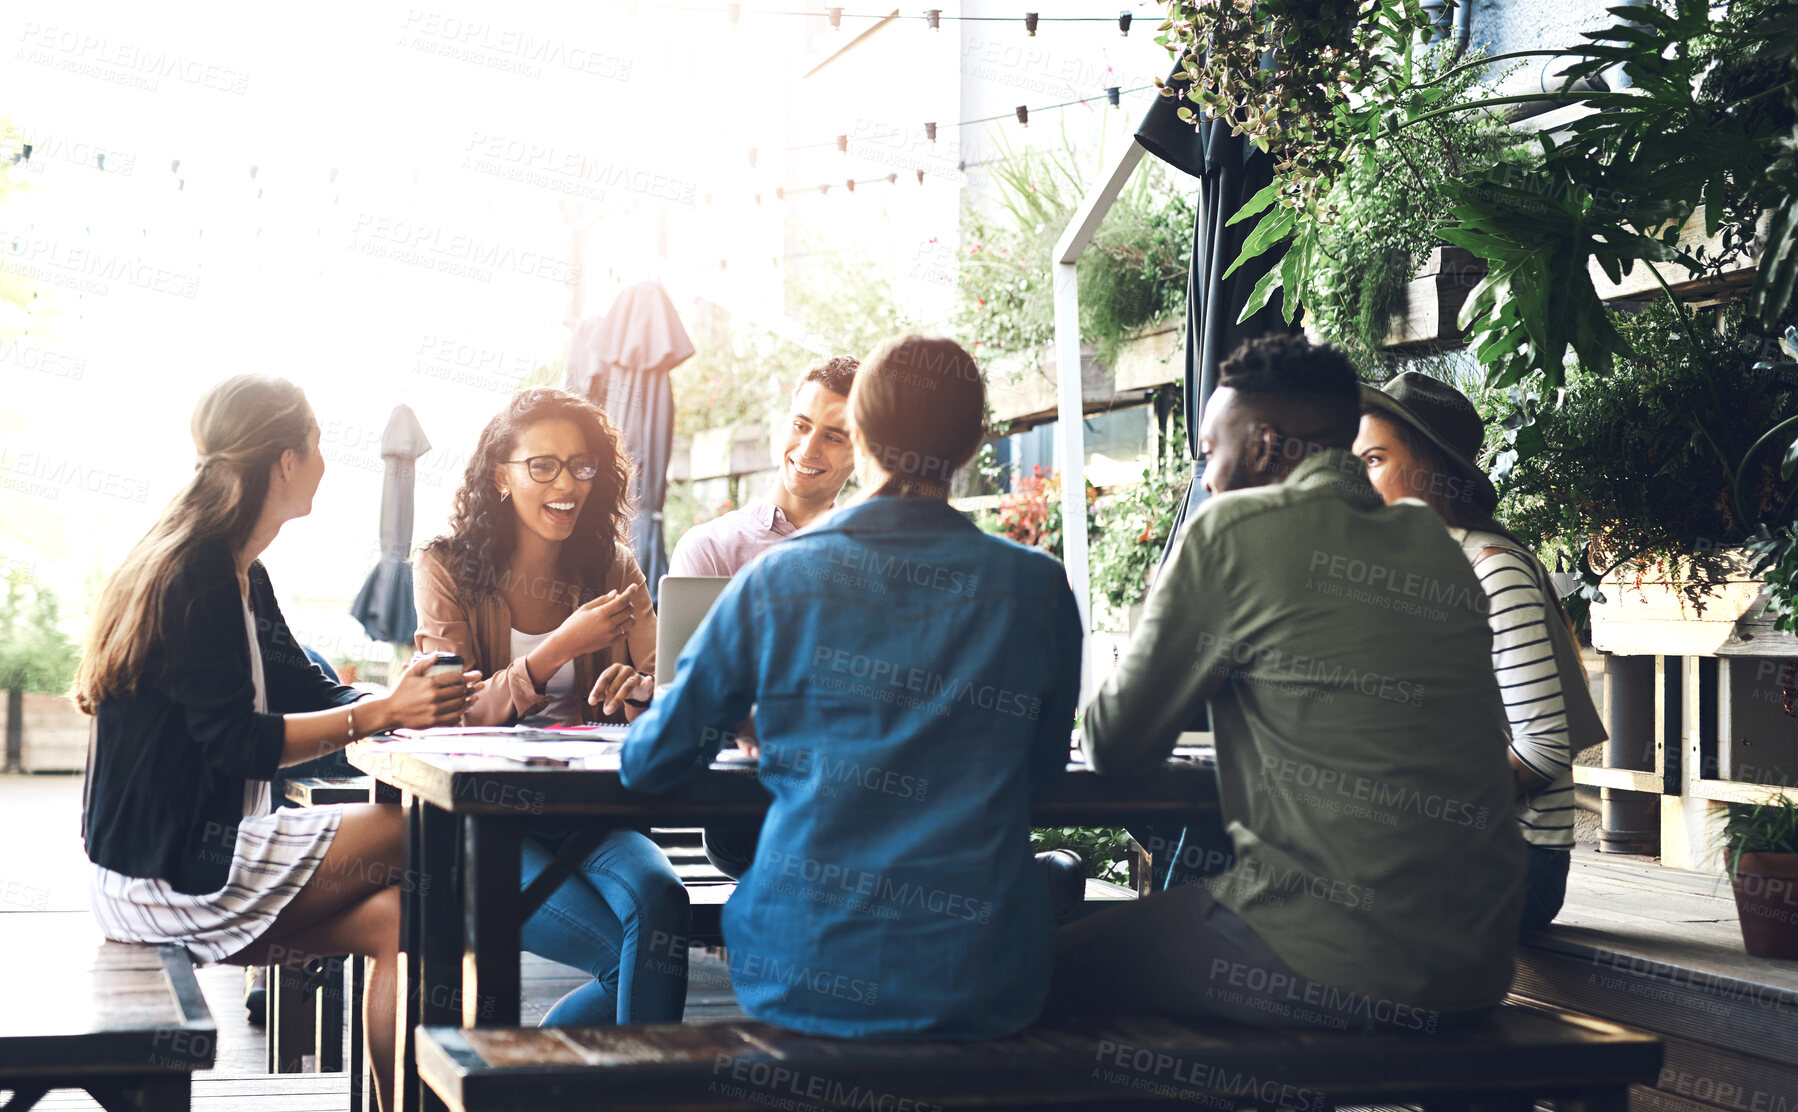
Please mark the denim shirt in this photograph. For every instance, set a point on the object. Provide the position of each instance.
(914, 683)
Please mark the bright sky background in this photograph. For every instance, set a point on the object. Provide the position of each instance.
(405, 236)
(326, 267)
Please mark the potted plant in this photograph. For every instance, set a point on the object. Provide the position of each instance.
(1761, 845)
(346, 667)
(1649, 480)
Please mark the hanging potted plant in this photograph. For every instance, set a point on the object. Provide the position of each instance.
(1761, 844)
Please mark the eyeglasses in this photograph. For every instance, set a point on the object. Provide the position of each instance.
(544, 469)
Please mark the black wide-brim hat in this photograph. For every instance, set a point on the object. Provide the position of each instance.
(1444, 417)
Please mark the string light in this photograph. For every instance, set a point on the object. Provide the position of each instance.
(932, 17)
(1030, 24)
(1112, 95)
(1124, 23)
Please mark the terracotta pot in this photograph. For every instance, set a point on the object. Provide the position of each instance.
(1766, 887)
(346, 673)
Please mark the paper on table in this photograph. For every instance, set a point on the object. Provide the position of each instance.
(605, 731)
(492, 743)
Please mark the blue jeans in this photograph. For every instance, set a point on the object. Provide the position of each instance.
(623, 917)
(1545, 886)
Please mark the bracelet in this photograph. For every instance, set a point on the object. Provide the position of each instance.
(350, 715)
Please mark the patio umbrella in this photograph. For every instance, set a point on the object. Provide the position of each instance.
(621, 361)
(384, 605)
(1230, 171)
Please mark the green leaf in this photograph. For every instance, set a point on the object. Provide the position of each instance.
(1274, 227)
(1262, 198)
(1259, 295)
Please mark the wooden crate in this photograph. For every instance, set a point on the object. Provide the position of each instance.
(55, 734)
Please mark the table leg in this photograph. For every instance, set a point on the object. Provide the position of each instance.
(490, 977)
(431, 940)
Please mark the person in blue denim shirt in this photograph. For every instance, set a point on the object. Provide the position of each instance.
(914, 683)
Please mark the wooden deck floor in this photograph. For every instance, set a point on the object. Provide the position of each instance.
(1660, 929)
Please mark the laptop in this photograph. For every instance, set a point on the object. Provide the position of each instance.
(683, 601)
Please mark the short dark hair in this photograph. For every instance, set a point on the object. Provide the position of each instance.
(1313, 384)
(835, 373)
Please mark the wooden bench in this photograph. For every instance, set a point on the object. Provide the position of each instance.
(127, 1023)
(1500, 1065)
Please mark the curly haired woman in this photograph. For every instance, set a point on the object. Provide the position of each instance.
(535, 586)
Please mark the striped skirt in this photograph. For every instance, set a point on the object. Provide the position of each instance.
(275, 855)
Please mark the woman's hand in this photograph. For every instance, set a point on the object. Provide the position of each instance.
(618, 683)
(598, 625)
(419, 701)
(746, 739)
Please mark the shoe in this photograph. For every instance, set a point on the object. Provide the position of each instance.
(1066, 873)
(255, 994)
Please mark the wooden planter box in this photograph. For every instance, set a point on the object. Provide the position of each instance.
(55, 734)
(1431, 301)
(1652, 617)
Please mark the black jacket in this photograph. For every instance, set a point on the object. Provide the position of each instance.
(167, 771)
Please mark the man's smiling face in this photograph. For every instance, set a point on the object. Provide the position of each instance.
(816, 458)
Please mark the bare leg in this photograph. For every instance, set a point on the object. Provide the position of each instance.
(350, 906)
(372, 929)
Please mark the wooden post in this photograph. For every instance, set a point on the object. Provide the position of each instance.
(15, 730)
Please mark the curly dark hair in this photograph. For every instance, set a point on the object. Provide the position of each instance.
(484, 530)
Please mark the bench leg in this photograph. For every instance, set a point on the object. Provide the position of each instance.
(23, 1097)
(327, 1034)
(358, 1052)
(289, 1028)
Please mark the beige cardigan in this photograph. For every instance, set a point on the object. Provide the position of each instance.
(481, 632)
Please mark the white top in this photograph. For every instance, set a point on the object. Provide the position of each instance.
(564, 702)
(258, 796)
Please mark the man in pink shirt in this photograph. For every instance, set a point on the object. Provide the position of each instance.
(815, 461)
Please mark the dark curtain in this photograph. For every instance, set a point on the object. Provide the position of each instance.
(1230, 171)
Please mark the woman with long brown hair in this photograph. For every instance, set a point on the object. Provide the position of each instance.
(535, 585)
(199, 693)
(914, 683)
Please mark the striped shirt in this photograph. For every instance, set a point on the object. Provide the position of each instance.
(1523, 658)
(273, 856)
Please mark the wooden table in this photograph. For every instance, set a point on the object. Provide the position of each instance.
(459, 928)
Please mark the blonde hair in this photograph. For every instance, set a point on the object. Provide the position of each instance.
(920, 405)
(241, 428)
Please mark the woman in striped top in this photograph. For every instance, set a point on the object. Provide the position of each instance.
(1419, 439)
